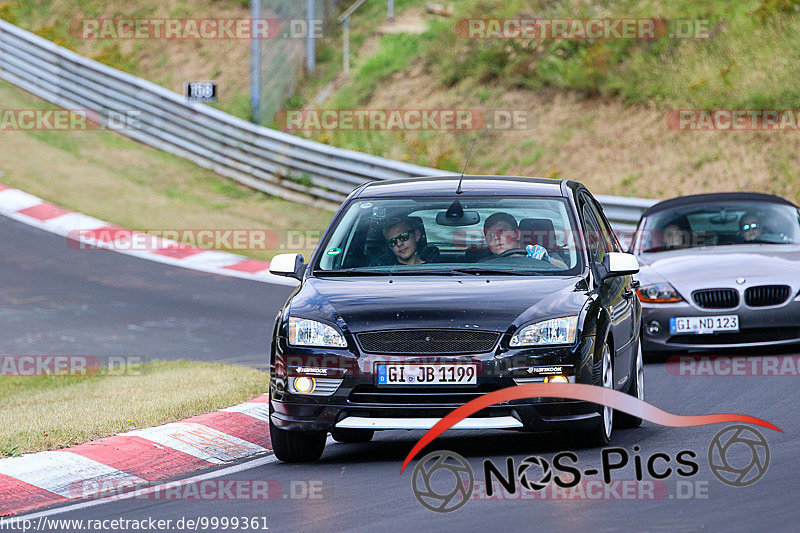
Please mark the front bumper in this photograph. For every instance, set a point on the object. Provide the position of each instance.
(357, 402)
(766, 326)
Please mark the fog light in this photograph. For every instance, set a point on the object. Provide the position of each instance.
(305, 384)
(556, 379)
(653, 327)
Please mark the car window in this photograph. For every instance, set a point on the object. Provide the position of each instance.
(533, 235)
(717, 224)
(609, 238)
(596, 243)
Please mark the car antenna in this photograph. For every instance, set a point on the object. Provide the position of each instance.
(458, 190)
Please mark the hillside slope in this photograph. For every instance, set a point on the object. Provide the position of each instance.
(597, 109)
(167, 62)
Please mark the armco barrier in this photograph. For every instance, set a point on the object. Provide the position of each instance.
(277, 163)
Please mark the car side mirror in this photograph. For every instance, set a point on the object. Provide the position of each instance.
(289, 265)
(617, 264)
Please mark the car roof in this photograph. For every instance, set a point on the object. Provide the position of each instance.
(720, 197)
(472, 185)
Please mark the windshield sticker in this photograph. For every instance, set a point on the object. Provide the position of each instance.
(334, 251)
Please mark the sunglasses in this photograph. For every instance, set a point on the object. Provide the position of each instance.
(403, 237)
(750, 226)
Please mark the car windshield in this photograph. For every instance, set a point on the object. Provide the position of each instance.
(468, 236)
(719, 225)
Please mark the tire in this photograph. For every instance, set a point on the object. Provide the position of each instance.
(601, 435)
(297, 446)
(350, 436)
(635, 389)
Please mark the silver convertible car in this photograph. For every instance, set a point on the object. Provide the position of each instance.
(719, 271)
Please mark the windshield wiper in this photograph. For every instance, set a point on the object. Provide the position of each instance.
(350, 272)
(484, 270)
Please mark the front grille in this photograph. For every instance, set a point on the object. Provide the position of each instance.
(428, 341)
(765, 295)
(370, 395)
(716, 298)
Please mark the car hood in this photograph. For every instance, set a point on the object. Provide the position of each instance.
(403, 302)
(721, 266)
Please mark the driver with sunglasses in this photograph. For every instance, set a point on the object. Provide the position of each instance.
(403, 240)
(750, 229)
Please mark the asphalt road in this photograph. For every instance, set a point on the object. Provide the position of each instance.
(55, 300)
(360, 487)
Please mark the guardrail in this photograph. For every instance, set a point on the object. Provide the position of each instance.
(272, 161)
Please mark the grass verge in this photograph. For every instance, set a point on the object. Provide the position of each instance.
(51, 412)
(738, 58)
(108, 176)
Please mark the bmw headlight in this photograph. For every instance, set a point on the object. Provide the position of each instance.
(553, 331)
(660, 293)
(305, 332)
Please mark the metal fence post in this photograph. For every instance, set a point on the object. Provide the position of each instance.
(344, 19)
(390, 15)
(311, 59)
(255, 66)
(346, 46)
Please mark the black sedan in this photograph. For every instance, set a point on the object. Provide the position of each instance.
(426, 293)
(719, 271)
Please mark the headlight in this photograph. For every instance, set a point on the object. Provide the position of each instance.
(304, 332)
(658, 294)
(553, 331)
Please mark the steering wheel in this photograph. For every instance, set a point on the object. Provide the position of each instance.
(516, 251)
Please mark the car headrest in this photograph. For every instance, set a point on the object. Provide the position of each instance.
(538, 231)
(418, 224)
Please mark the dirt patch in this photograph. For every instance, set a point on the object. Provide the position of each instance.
(410, 21)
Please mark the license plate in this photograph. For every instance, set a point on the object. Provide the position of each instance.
(438, 374)
(704, 324)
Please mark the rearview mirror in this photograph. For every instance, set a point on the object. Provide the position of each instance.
(467, 218)
(618, 264)
(289, 265)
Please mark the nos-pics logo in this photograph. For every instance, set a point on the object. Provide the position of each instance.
(443, 481)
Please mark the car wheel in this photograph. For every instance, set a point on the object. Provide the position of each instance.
(601, 435)
(349, 436)
(296, 446)
(635, 389)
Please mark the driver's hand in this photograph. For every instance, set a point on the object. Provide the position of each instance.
(537, 251)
